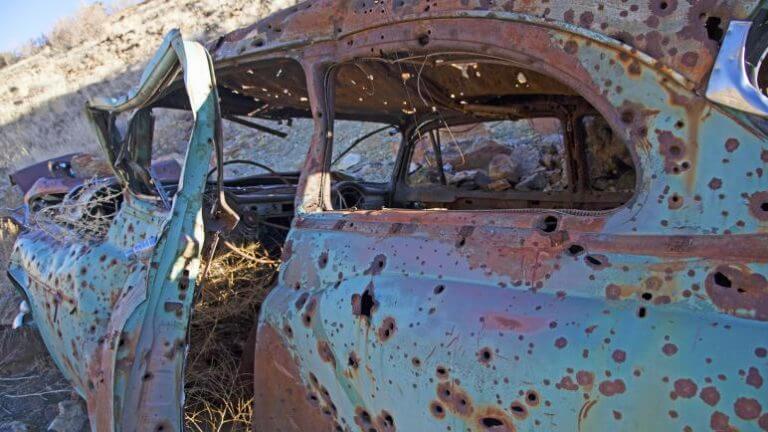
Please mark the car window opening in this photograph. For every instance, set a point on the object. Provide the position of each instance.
(476, 134)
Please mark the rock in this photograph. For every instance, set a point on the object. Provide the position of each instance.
(14, 426)
(534, 182)
(499, 186)
(502, 167)
(478, 158)
(72, 417)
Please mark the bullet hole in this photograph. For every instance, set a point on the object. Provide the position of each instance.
(663, 5)
(548, 224)
(714, 29)
(647, 296)
(147, 376)
(365, 416)
(491, 422)
(680, 124)
(416, 362)
(301, 301)
(532, 398)
(297, 286)
(439, 289)
(642, 312)
(323, 261)
(424, 39)
(437, 410)
(461, 242)
(518, 410)
(593, 260)
(722, 280)
(309, 312)
(288, 331)
(575, 249)
(353, 361)
(627, 116)
(442, 372)
(366, 304)
(485, 356)
(764, 206)
(378, 264)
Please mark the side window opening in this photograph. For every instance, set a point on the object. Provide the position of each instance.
(483, 134)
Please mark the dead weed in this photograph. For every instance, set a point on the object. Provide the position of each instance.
(219, 393)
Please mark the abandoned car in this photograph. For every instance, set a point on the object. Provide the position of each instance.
(518, 215)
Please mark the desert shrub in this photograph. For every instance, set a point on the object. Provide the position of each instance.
(86, 24)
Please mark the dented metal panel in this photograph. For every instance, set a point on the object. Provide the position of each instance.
(649, 317)
(114, 311)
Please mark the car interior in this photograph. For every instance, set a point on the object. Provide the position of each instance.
(441, 131)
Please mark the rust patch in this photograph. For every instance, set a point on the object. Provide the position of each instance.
(747, 408)
(731, 145)
(326, 353)
(754, 378)
(710, 395)
(685, 388)
(612, 387)
(281, 401)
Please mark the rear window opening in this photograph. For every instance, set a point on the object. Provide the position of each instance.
(477, 134)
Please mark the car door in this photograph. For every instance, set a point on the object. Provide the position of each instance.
(113, 306)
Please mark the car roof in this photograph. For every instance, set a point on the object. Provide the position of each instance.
(681, 35)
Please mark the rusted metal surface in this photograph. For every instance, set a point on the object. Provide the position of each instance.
(651, 316)
(114, 311)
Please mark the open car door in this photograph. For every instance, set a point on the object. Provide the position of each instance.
(113, 308)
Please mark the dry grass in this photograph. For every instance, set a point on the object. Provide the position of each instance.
(219, 393)
(86, 24)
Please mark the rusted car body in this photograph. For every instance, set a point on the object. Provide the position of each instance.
(438, 299)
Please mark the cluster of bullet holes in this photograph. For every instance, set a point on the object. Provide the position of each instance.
(548, 224)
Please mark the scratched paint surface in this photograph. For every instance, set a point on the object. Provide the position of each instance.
(649, 317)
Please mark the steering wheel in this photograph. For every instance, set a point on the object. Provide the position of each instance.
(256, 164)
(348, 195)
